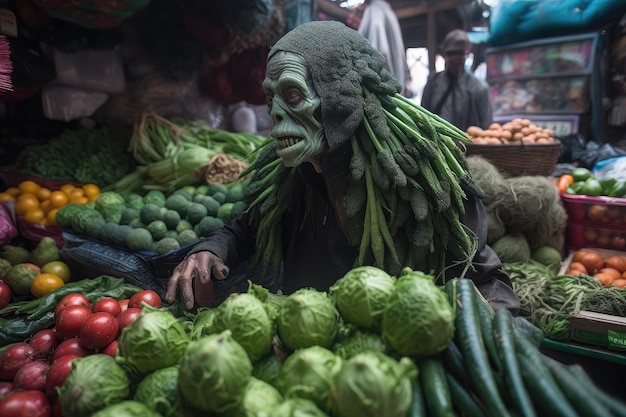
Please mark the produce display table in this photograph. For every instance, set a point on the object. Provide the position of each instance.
(605, 367)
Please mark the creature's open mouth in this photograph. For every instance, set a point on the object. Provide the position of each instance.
(286, 141)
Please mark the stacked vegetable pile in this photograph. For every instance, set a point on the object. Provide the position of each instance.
(155, 222)
(518, 130)
(374, 345)
(524, 214)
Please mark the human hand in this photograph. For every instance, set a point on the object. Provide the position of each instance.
(196, 271)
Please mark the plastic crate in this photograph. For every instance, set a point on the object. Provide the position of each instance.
(581, 233)
(597, 209)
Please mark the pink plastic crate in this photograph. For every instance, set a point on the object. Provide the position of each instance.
(597, 209)
(587, 234)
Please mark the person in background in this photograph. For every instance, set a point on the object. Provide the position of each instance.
(378, 23)
(454, 93)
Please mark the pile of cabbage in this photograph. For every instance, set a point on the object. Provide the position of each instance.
(351, 351)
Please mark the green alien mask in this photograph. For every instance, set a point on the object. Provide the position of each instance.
(293, 103)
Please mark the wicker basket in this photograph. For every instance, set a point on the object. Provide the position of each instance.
(518, 159)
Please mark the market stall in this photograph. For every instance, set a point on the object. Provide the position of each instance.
(149, 140)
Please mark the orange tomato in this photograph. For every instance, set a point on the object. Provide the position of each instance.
(26, 202)
(67, 188)
(58, 199)
(576, 272)
(51, 217)
(617, 262)
(45, 283)
(564, 181)
(76, 192)
(605, 279)
(92, 191)
(577, 266)
(78, 199)
(45, 206)
(43, 193)
(612, 272)
(592, 260)
(4, 196)
(35, 215)
(28, 187)
(619, 283)
(14, 191)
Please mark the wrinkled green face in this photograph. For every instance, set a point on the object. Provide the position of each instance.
(292, 104)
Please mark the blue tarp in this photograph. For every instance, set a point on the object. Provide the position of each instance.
(515, 21)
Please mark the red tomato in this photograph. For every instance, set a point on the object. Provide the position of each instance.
(5, 388)
(43, 343)
(98, 330)
(71, 346)
(5, 295)
(110, 349)
(25, 404)
(123, 304)
(32, 376)
(57, 373)
(69, 320)
(72, 299)
(108, 305)
(149, 297)
(13, 358)
(127, 316)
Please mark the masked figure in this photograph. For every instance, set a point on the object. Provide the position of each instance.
(354, 174)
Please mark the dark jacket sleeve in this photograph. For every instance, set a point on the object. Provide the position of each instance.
(233, 243)
(486, 269)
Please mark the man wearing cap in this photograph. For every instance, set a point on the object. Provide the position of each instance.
(454, 93)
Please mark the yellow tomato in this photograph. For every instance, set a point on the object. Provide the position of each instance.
(26, 202)
(52, 217)
(4, 196)
(58, 199)
(92, 191)
(43, 193)
(28, 187)
(58, 268)
(35, 215)
(14, 191)
(67, 188)
(45, 283)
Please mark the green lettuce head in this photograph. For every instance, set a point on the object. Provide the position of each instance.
(372, 384)
(307, 318)
(95, 382)
(159, 391)
(154, 340)
(258, 397)
(418, 320)
(361, 295)
(214, 372)
(127, 408)
(246, 317)
(309, 373)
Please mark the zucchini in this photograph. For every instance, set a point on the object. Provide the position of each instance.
(418, 406)
(470, 341)
(432, 377)
(504, 340)
(548, 398)
(462, 399)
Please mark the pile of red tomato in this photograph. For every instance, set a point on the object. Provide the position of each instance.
(31, 371)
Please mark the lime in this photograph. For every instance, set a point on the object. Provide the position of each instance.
(581, 174)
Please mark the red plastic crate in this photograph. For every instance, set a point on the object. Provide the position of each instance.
(581, 234)
(597, 209)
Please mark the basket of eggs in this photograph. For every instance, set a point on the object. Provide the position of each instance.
(516, 148)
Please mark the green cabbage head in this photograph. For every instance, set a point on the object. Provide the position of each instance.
(358, 342)
(159, 391)
(127, 408)
(259, 396)
(95, 382)
(214, 372)
(373, 384)
(268, 368)
(154, 340)
(245, 316)
(361, 295)
(418, 320)
(309, 373)
(295, 407)
(307, 317)
(203, 323)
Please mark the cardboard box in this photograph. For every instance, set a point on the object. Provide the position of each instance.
(598, 329)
